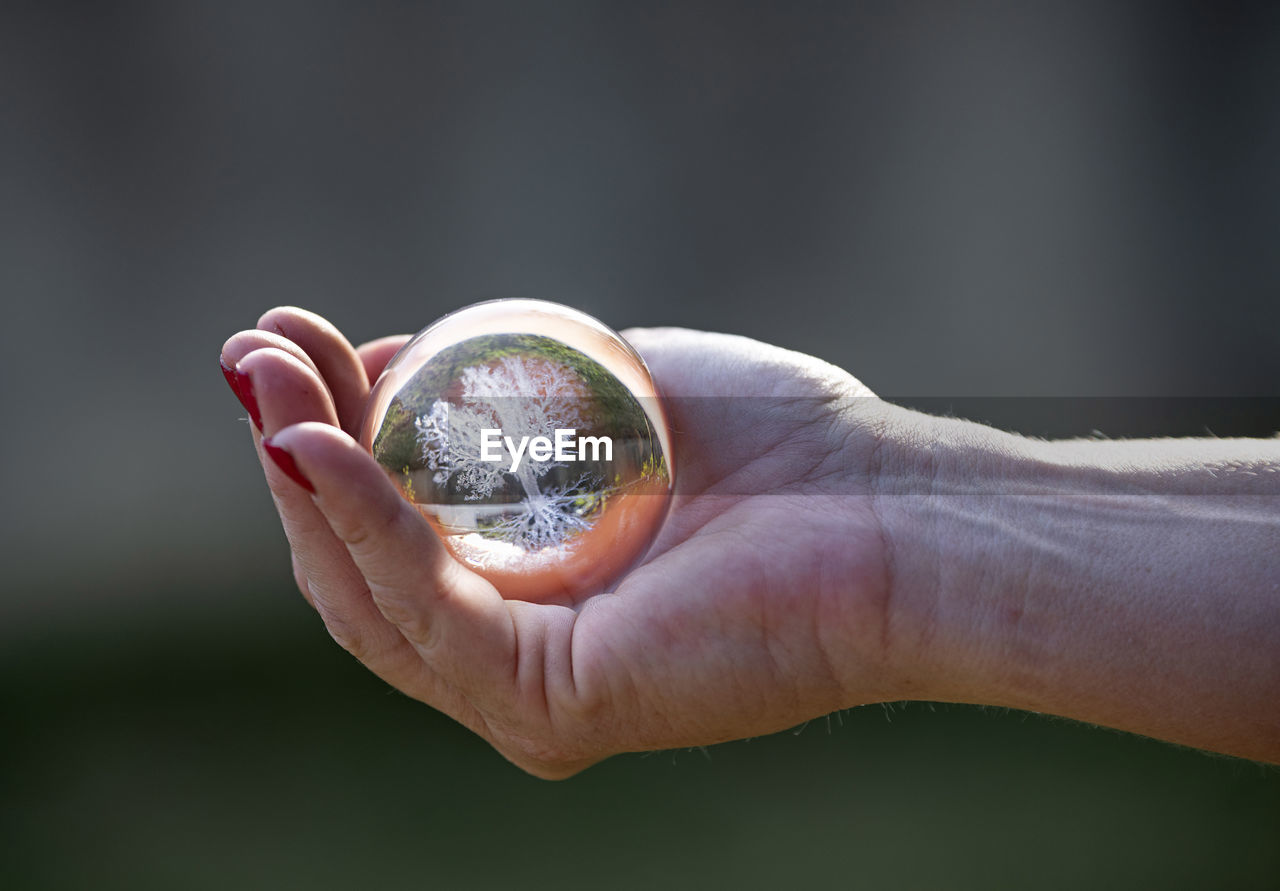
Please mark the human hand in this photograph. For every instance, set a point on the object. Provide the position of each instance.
(761, 605)
(824, 549)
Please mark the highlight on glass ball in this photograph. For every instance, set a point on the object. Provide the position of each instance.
(531, 437)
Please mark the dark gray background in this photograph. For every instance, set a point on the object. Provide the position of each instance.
(949, 200)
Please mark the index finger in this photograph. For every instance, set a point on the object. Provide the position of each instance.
(457, 621)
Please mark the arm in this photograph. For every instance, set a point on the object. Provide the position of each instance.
(1134, 584)
(826, 550)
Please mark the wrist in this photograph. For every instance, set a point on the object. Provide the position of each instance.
(1128, 584)
(943, 492)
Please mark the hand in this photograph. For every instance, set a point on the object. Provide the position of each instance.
(824, 550)
(761, 605)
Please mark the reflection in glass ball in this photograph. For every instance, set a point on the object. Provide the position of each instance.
(532, 439)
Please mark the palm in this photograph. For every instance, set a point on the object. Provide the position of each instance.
(718, 633)
(724, 606)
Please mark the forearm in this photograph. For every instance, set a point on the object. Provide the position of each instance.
(1132, 584)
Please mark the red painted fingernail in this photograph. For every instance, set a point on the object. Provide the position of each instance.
(230, 374)
(286, 464)
(244, 389)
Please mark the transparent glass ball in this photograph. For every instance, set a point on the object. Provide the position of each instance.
(532, 439)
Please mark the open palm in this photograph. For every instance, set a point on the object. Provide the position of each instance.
(760, 605)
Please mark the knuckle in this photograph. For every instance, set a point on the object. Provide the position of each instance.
(411, 621)
(366, 531)
(346, 634)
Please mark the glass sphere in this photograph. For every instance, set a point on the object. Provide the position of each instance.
(532, 439)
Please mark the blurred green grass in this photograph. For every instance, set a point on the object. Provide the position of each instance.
(209, 753)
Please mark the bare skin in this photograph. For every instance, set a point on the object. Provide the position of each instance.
(832, 551)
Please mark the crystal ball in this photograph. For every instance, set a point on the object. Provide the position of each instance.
(532, 439)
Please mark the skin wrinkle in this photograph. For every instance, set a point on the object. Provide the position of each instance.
(786, 435)
(830, 589)
(833, 440)
(1012, 616)
(761, 472)
(761, 622)
(927, 545)
(811, 601)
(737, 470)
(749, 693)
(720, 504)
(450, 579)
(361, 533)
(601, 652)
(835, 598)
(651, 706)
(593, 688)
(730, 628)
(560, 682)
(344, 633)
(300, 577)
(517, 648)
(625, 684)
(852, 431)
(913, 510)
(932, 556)
(586, 701)
(875, 481)
(545, 754)
(575, 691)
(541, 679)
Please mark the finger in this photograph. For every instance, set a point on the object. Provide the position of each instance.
(458, 621)
(377, 353)
(287, 389)
(339, 366)
(242, 343)
(289, 392)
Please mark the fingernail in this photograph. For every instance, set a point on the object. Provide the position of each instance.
(285, 462)
(230, 374)
(243, 387)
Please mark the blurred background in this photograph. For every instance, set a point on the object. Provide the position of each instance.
(1056, 217)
